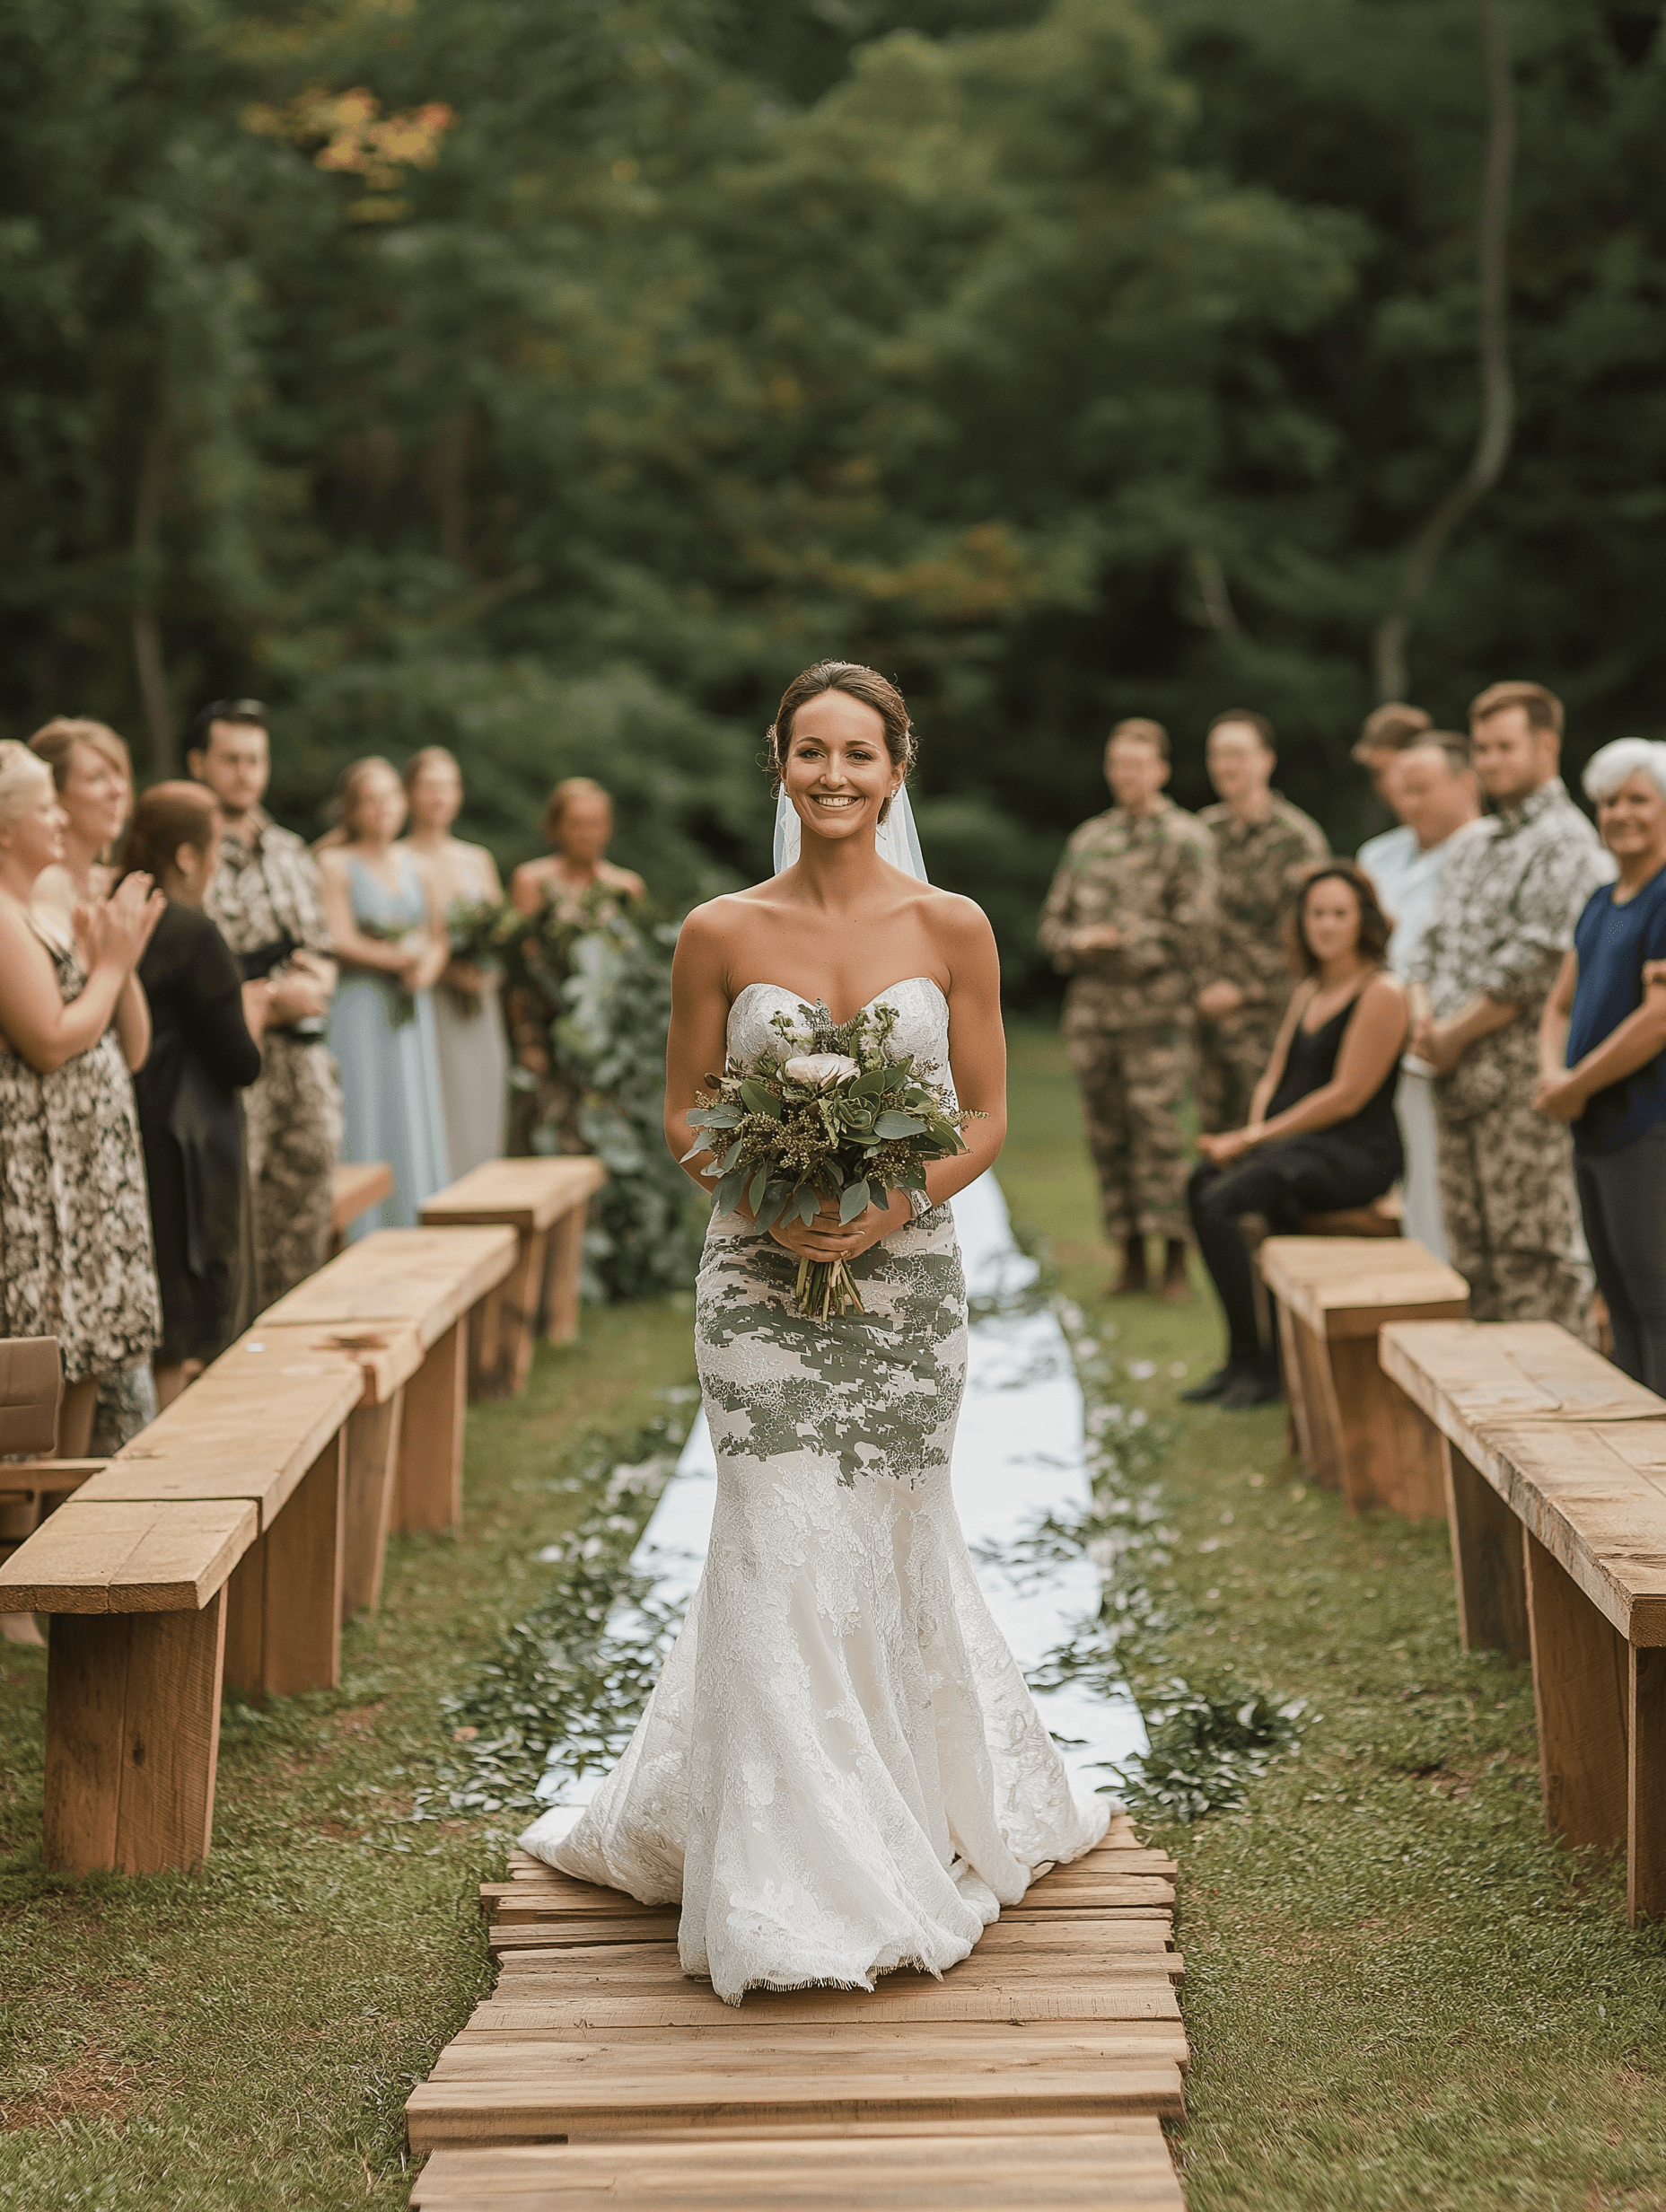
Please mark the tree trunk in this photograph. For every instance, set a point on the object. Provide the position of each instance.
(148, 651)
(1497, 393)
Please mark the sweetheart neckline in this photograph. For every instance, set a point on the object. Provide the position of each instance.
(803, 998)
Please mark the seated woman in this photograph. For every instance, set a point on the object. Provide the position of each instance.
(576, 882)
(205, 1020)
(1602, 1056)
(1321, 1135)
(393, 945)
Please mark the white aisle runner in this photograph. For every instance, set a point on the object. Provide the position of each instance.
(1018, 1455)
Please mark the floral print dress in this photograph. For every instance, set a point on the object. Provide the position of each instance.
(76, 1260)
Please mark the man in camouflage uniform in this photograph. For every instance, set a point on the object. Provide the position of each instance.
(265, 893)
(1263, 846)
(1129, 919)
(1503, 919)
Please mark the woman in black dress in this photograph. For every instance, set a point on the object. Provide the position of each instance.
(1322, 1134)
(205, 1020)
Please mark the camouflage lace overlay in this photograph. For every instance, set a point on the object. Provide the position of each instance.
(841, 1770)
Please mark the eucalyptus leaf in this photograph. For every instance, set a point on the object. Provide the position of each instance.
(856, 1200)
(892, 1124)
(759, 1099)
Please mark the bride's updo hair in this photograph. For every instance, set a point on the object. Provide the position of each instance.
(865, 684)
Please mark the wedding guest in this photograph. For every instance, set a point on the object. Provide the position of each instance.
(265, 902)
(1502, 920)
(1432, 787)
(1321, 1135)
(93, 773)
(391, 942)
(1602, 1056)
(93, 777)
(1385, 732)
(76, 1260)
(205, 1055)
(468, 1010)
(1262, 846)
(574, 882)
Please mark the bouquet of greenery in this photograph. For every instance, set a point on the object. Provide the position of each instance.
(401, 1006)
(832, 1111)
(482, 929)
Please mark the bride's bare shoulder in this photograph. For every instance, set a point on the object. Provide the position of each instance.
(722, 923)
(956, 924)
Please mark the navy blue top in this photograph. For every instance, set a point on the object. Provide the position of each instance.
(1612, 943)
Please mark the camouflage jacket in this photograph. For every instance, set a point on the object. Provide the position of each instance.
(1258, 866)
(1153, 878)
(1503, 919)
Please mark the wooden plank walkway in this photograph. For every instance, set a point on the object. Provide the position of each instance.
(1036, 2074)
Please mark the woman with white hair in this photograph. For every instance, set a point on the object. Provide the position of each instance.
(1602, 1054)
(75, 1255)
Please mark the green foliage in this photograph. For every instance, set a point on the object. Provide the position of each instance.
(1065, 361)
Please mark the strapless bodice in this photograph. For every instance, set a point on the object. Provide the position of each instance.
(921, 1021)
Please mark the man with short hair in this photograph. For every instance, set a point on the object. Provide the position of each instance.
(1432, 786)
(1263, 846)
(1502, 918)
(1129, 919)
(1385, 732)
(265, 900)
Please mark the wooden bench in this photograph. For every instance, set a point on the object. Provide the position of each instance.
(1384, 1216)
(1555, 1478)
(386, 1358)
(355, 1188)
(545, 1202)
(1354, 1431)
(429, 1280)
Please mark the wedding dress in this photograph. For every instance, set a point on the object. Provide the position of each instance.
(841, 1770)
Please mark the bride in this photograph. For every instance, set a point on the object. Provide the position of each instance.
(840, 1771)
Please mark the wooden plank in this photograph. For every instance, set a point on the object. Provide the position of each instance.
(243, 1430)
(1588, 1505)
(129, 1557)
(430, 1278)
(885, 2172)
(528, 1195)
(501, 1327)
(354, 1187)
(133, 1732)
(443, 2112)
(1468, 1375)
(302, 1640)
(1487, 1562)
(562, 1267)
(1581, 1687)
(373, 1478)
(1345, 1287)
(1063, 1997)
(430, 1493)
(387, 1354)
(727, 2052)
(658, 1966)
(1645, 1787)
(23, 1480)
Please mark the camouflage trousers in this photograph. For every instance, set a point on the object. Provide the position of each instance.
(1133, 1083)
(1232, 1055)
(1511, 1208)
(292, 1134)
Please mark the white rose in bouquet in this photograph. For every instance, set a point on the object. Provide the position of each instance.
(821, 1071)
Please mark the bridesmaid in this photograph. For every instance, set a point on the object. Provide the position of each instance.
(391, 942)
(93, 778)
(468, 1011)
(76, 1260)
(576, 882)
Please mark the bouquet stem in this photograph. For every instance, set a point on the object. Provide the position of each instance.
(825, 1286)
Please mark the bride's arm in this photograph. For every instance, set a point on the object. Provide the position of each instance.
(698, 1037)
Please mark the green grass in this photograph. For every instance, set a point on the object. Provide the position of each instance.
(1399, 1994)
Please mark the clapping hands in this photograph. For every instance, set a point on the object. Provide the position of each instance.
(113, 932)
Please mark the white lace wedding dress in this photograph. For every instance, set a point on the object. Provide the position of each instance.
(841, 1770)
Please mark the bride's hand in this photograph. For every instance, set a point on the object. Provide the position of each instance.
(826, 1238)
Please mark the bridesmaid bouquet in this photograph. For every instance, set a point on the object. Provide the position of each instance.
(832, 1111)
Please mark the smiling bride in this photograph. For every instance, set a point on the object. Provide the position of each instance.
(841, 1772)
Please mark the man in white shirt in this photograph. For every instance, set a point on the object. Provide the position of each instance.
(1432, 787)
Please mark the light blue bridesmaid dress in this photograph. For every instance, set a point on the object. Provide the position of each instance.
(383, 1040)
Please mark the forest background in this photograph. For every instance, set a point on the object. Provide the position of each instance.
(551, 379)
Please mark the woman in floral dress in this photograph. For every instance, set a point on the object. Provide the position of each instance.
(76, 1255)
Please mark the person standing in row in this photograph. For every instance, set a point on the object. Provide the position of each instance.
(1602, 1056)
(1385, 733)
(76, 1260)
(207, 1020)
(1432, 786)
(1263, 848)
(1130, 919)
(391, 940)
(1502, 920)
(264, 900)
(468, 1010)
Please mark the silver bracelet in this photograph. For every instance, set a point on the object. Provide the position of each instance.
(920, 1203)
